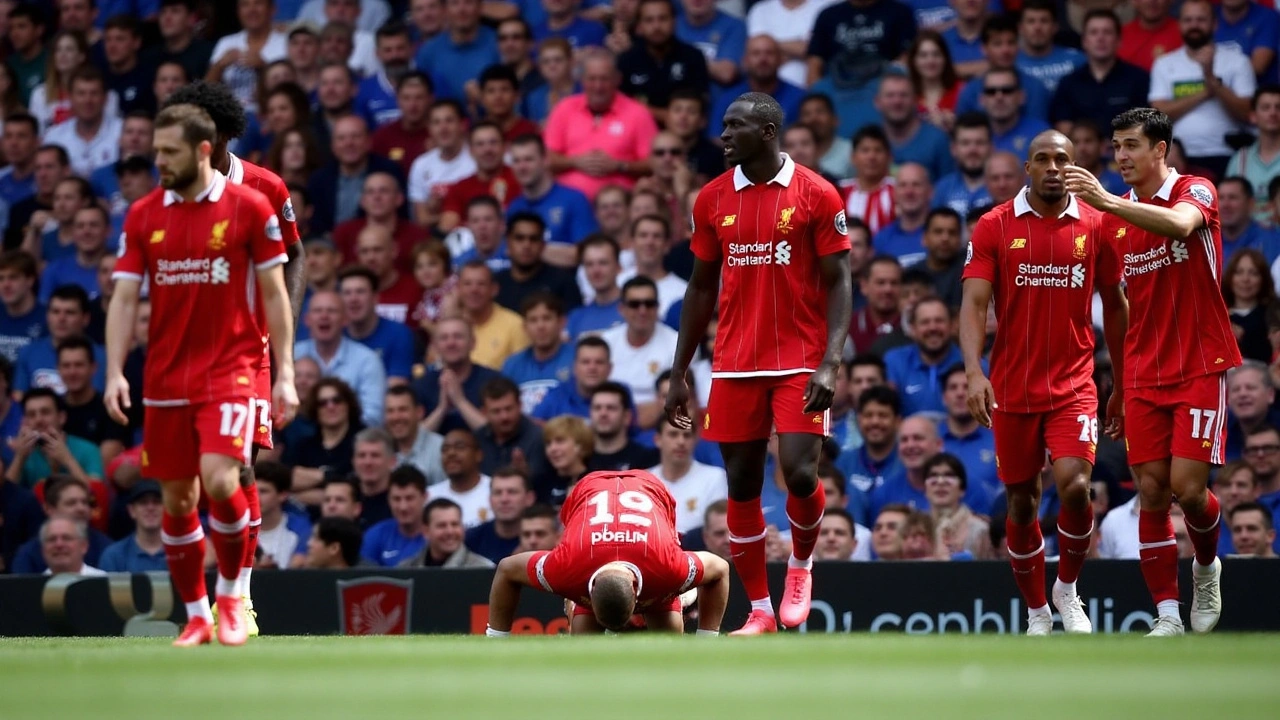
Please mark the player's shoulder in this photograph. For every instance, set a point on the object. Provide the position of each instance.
(719, 184)
(995, 218)
(809, 178)
(1198, 188)
(150, 201)
(247, 194)
(263, 176)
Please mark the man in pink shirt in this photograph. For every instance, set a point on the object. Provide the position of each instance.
(600, 136)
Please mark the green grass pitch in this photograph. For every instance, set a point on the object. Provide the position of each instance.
(825, 677)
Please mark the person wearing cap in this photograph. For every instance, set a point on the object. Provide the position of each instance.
(304, 55)
(142, 550)
(178, 39)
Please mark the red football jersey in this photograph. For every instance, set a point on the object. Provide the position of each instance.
(618, 516)
(503, 187)
(206, 342)
(1043, 271)
(768, 239)
(1179, 328)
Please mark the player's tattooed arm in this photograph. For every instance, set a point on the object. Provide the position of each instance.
(295, 279)
(695, 316)
(504, 595)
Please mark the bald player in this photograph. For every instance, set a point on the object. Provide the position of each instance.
(1040, 256)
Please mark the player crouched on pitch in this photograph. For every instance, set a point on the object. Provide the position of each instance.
(620, 556)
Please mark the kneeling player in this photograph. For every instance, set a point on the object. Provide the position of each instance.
(620, 557)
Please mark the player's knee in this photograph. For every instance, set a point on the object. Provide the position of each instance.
(181, 498)
(1024, 501)
(802, 478)
(1074, 491)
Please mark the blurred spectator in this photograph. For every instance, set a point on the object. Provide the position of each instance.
(602, 137)
(392, 342)
(790, 23)
(694, 486)
(86, 415)
(934, 77)
(508, 437)
(919, 539)
(67, 316)
(125, 75)
(1104, 86)
(1004, 176)
(1038, 56)
(142, 550)
(20, 139)
(1202, 119)
(64, 544)
(22, 317)
(658, 61)
(540, 528)
(333, 407)
(836, 540)
(492, 177)
(673, 176)
(1236, 484)
(859, 373)
(179, 41)
(499, 332)
(855, 503)
(295, 156)
(860, 254)
(444, 528)
(917, 442)
(612, 208)
(529, 273)
(1256, 162)
(466, 48)
(468, 487)
(485, 225)
(377, 250)
(91, 135)
(510, 494)
(283, 536)
(970, 147)
(909, 138)
(1253, 531)
(916, 369)
(89, 236)
(28, 218)
(1262, 453)
(887, 532)
(1000, 48)
(499, 95)
(1252, 28)
(404, 139)
(374, 460)
(415, 445)
(51, 101)
(548, 360)
(904, 237)
(687, 120)
(376, 95)
(452, 390)
(170, 76)
(600, 261)
(366, 15)
(853, 42)
(835, 153)
(876, 462)
(67, 498)
(381, 202)
(1150, 35)
(1239, 229)
(642, 347)
(336, 189)
(447, 162)
(612, 417)
(1250, 396)
(1119, 532)
(400, 537)
(29, 57)
(721, 37)
(517, 52)
(1087, 137)
(555, 66)
(942, 259)
(130, 178)
(958, 529)
(962, 435)
(761, 62)
(334, 545)
(51, 235)
(591, 366)
(881, 315)
(870, 192)
(1249, 293)
(651, 239)
(565, 212)
(342, 498)
(323, 261)
(1002, 96)
(569, 443)
(236, 57)
(335, 99)
(343, 358)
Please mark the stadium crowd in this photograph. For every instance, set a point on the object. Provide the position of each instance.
(494, 200)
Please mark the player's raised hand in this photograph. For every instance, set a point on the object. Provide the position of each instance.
(677, 405)
(284, 402)
(821, 389)
(116, 398)
(1084, 185)
(1115, 416)
(981, 399)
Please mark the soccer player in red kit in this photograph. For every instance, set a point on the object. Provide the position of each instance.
(769, 236)
(1177, 352)
(1040, 256)
(619, 555)
(204, 244)
(229, 115)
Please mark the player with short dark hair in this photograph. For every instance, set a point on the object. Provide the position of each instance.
(201, 240)
(1040, 256)
(1177, 353)
(620, 556)
(774, 232)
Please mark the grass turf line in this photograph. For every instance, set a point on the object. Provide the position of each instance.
(840, 676)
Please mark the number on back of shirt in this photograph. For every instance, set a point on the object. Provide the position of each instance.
(627, 500)
(234, 416)
(1202, 423)
(1088, 428)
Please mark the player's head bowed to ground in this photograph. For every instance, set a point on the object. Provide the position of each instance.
(613, 595)
(222, 106)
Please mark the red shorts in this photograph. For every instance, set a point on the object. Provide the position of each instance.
(742, 409)
(1023, 438)
(261, 409)
(174, 438)
(1188, 420)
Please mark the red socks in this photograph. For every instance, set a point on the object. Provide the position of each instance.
(1074, 528)
(255, 524)
(746, 545)
(229, 523)
(1204, 530)
(805, 515)
(184, 550)
(1026, 554)
(1159, 552)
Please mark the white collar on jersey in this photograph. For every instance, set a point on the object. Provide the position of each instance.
(1165, 191)
(213, 193)
(1022, 206)
(235, 169)
(591, 581)
(783, 177)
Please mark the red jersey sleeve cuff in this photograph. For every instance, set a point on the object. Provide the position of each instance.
(277, 260)
(122, 275)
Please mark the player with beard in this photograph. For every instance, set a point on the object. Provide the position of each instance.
(1040, 256)
(229, 117)
(200, 241)
(1176, 354)
(775, 233)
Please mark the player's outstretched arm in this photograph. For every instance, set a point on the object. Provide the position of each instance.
(275, 301)
(973, 335)
(838, 280)
(1176, 222)
(713, 593)
(504, 594)
(1115, 324)
(295, 281)
(695, 317)
(122, 313)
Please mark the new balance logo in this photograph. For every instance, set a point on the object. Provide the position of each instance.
(1180, 251)
(729, 220)
(157, 236)
(1018, 244)
(782, 254)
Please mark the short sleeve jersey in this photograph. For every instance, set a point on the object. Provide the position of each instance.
(618, 516)
(1043, 271)
(1180, 329)
(206, 342)
(768, 240)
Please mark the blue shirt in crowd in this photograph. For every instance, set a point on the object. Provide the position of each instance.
(385, 545)
(37, 366)
(537, 377)
(125, 556)
(567, 213)
(394, 345)
(18, 332)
